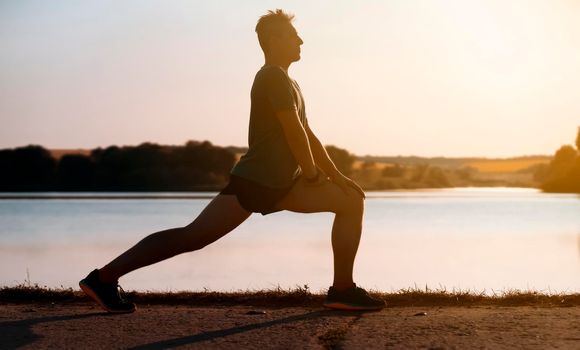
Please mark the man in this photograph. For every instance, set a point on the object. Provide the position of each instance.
(286, 168)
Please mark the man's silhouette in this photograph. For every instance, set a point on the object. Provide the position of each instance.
(286, 168)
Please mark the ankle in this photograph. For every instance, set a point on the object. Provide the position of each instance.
(105, 277)
(341, 286)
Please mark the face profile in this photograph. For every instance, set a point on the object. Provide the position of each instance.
(285, 44)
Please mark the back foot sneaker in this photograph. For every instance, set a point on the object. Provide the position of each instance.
(353, 299)
(108, 295)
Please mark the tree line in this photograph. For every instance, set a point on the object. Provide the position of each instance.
(146, 167)
(195, 166)
(199, 166)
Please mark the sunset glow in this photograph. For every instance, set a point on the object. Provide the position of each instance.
(437, 78)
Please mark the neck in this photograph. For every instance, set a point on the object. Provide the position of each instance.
(276, 61)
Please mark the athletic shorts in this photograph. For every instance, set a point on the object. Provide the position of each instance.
(254, 197)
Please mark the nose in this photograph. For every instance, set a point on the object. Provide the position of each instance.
(300, 41)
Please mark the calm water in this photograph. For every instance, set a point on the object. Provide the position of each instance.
(478, 239)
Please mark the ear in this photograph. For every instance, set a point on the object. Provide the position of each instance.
(273, 41)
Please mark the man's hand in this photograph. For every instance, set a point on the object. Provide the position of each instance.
(321, 179)
(344, 182)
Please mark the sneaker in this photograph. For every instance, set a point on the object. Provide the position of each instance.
(354, 298)
(108, 295)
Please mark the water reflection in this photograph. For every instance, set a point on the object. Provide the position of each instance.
(457, 239)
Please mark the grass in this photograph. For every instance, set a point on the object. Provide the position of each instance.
(299, 296)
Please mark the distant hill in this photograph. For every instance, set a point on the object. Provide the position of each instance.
(383, 172)
(488, 165)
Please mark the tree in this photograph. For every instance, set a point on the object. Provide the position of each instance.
(564, 156)
(420, 171)
(75, 172)
(341, 158)
(29, 168)
(395, 170)
(578, 140)
(436, 178)
(561, 174)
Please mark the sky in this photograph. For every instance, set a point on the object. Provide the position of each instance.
(408, 77)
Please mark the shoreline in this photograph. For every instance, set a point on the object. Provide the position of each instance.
(297, 297)
(460, 192)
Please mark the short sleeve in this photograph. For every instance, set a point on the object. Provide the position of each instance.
(278, 90)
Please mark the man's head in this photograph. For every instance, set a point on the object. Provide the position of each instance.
(277, 35)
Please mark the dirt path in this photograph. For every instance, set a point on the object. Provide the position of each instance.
(82, 325)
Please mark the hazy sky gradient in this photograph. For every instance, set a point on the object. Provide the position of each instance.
(430, 78)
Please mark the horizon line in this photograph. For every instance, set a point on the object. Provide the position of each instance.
(61, 149)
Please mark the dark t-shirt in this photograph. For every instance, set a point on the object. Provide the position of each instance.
(269, 160)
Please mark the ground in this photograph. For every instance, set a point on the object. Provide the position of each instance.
(83, 325)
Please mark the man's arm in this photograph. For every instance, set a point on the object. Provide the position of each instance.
(298, 141)
(310, 155)
(321, 157)
(324, 162)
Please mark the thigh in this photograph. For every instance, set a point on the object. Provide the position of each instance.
(326, 197)
(223, 214)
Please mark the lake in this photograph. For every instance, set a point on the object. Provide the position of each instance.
(480, 239)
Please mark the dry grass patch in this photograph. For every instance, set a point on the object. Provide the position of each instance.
(506, 165)
(299, 296)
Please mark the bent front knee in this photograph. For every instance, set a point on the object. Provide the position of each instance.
(358, 204)
(352, 205)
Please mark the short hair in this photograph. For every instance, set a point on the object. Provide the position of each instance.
(271, 23)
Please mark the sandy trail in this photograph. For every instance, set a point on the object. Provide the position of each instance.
(82, 325)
